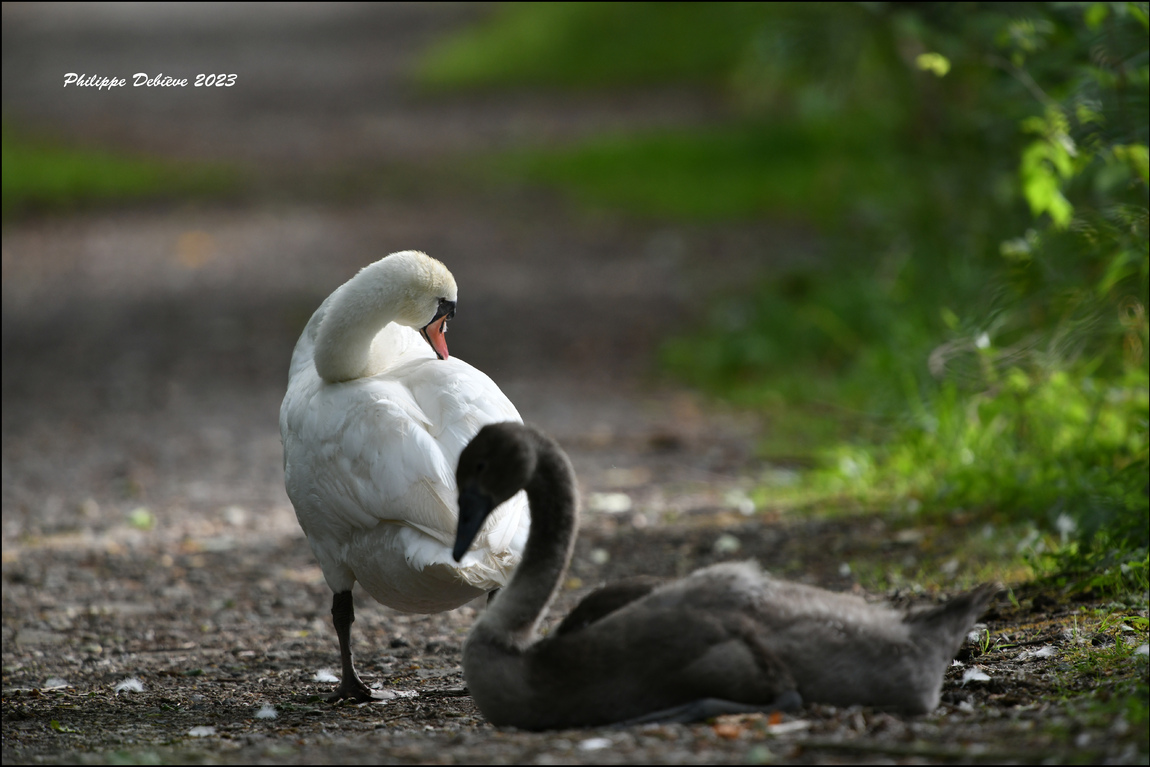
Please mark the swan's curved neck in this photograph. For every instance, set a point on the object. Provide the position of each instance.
(357, 311)
(553, 501)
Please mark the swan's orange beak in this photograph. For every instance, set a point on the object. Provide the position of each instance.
(433, 332)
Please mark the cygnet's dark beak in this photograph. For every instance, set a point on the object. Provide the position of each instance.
(473, 510)
(434, 330)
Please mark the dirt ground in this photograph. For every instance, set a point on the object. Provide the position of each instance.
(146, 533)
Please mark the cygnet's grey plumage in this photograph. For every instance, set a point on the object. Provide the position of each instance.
(726, 637)
(607, 599)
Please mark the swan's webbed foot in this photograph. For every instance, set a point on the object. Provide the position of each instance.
(353, 688)
(709, 708)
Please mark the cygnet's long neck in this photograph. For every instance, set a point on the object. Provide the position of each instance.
(356, 313)
(553, 501)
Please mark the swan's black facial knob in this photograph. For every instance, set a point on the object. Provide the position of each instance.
(446, 309)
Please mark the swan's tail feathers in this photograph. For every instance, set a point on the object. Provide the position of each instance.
(946, 626)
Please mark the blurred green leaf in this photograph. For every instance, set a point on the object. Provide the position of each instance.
(936, 63)
(141, 518)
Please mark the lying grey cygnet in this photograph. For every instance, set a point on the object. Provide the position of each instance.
(725, 638)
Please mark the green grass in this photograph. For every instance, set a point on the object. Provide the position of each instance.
(1101, 677)
(1044, 444)
(43, 175)
(595, 44)
(952, 554)
(721, 174)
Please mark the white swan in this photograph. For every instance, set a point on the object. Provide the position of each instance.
(372, 425)
(727, 638)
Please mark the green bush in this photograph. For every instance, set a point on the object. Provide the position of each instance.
(980, 175)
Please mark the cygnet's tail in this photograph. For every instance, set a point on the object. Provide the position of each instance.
(946, 626)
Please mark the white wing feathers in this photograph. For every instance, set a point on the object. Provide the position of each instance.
(384, 449)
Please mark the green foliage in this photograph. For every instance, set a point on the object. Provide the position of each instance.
(1038, 403)
(1065, 451)
(594, 44)
(1110, 568)
(981, 177)
(730, 172)
(1032, 400)
(39, 174)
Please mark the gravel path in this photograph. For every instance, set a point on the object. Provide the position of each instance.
(146, 533)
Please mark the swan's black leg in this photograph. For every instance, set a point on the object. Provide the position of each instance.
(350, 686)
(709, 708)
